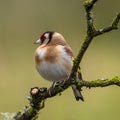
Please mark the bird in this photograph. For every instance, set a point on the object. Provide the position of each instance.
(54, 59)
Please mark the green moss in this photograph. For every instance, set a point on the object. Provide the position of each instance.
(31, 112)
(88, 4)
(76, 62)
(103, 83)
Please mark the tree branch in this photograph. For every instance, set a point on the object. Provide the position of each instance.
(39, 95)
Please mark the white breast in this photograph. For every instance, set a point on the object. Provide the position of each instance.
(56, 71)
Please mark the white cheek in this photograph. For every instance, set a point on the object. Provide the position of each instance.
(47, 35)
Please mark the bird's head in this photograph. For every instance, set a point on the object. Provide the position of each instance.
(51, 38)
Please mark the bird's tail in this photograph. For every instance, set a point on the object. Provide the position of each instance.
(77, 93)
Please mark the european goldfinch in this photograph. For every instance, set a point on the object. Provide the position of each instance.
(53, 59)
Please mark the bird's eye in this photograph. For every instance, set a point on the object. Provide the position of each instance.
(43, 37)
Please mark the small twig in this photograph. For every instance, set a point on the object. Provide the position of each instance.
(113, 26)
(100, 83)
(88, 4)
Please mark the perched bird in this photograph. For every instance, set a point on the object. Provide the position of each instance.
(53, 59)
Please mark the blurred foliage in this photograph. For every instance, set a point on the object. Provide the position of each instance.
(22, 22)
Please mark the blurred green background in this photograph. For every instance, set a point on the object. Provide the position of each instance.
(22, 22)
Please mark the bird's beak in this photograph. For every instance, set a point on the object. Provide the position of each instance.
(37, 41)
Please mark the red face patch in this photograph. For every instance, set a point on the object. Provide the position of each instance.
(42, 36)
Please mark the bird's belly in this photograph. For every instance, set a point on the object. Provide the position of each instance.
(53, 72)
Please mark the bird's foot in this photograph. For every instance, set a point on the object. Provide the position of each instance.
(50, 90)
(55, 85)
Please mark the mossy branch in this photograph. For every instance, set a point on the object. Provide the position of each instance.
(39, 95)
